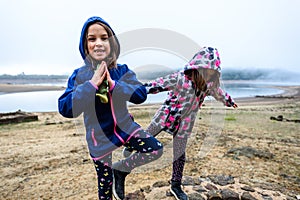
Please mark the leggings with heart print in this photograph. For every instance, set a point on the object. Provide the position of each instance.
(179, 146)
(147, 150)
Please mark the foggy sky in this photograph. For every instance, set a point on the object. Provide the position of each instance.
(42, 37)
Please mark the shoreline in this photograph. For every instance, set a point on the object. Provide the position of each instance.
(15, 88)
(290, 93)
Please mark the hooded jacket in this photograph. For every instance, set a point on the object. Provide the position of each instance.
(178, 113)
(108, 125)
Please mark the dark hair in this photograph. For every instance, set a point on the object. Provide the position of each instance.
(111, 60)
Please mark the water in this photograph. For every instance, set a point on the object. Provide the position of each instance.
(251, 89)
(46, 101)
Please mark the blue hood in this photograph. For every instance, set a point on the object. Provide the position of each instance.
(90, 21)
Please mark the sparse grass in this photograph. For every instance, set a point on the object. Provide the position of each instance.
(41, 161)
(230, 118)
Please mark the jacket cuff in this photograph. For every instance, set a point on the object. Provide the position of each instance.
(113, 86)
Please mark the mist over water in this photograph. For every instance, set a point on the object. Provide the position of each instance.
(238, 83)
(263, 75)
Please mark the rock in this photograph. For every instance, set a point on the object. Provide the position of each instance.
(214, 195)
(199, 188)
(247, 196)
(250, 152)
(229, 195)
(247, 188)
(294, 179)
(267, 197)
(225, 188)
(222, 179)
(210, 187)
(17, 117)
(281, 118)
(188, 180)
(290, 198)
(202, 179)
(196, 196)
(160, 194)
(146, 189)
(137, 195)
(161, 184)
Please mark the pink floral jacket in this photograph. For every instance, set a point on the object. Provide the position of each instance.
(178, 112)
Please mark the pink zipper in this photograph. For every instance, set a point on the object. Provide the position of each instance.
(93, 137)
(115, 121)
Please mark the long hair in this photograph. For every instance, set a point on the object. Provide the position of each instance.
(111, 59)
(201, 77)
(198, 80)
(211, 75)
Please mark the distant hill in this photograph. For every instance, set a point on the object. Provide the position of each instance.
(150, 72)
(260, 74)
(32, 79)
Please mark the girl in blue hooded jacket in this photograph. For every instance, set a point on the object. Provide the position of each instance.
(100, 90)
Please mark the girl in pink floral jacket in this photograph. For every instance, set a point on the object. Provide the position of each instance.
(187, 90)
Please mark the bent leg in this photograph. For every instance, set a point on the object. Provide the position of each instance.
(153, 129)
(147, 150)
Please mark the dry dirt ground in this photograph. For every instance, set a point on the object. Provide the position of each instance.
(48, 158)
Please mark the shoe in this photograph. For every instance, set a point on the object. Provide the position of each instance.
(177, 191)
(119, 183)
(126, 152)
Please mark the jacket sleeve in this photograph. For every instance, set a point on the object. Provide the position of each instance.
(220, 95)
(162, 84)
(76, 98)
(128, 88)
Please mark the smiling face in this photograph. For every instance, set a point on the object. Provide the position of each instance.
(98, 45)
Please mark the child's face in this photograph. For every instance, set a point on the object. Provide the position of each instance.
(98, 42)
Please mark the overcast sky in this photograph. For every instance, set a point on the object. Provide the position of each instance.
(42, 37)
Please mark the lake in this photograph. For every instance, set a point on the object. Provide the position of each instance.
(46, 101)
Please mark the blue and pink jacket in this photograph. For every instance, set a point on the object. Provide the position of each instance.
(108, 125)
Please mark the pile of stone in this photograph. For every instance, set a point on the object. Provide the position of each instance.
(214, 187)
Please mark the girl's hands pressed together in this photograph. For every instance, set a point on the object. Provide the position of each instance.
(109, 80)
(100, 74)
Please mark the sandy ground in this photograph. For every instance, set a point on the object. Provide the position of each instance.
(48, 158)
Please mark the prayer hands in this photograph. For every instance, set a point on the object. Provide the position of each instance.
(100, 74)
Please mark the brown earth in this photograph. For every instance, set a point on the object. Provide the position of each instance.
(48, 158)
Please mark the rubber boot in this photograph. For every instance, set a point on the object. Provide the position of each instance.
(177, 191)
(119, 181)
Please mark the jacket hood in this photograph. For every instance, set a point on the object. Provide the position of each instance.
(86, 25)
(205, 58)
